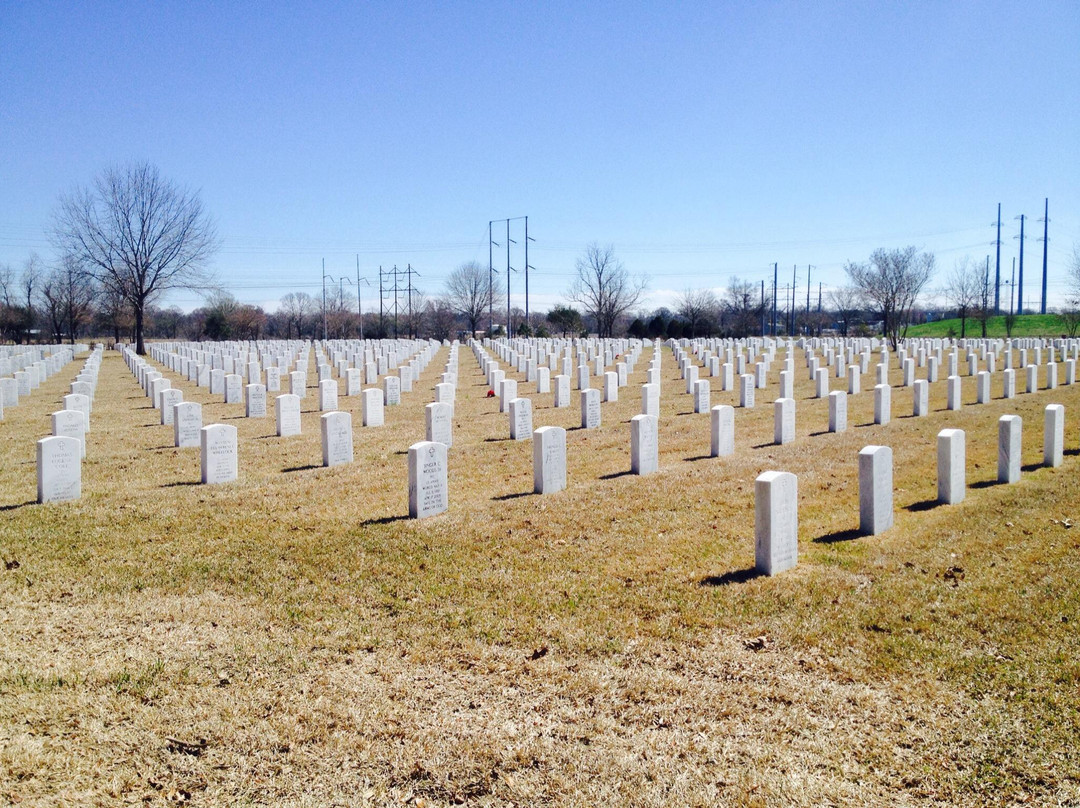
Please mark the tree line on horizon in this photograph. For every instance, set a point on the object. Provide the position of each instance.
(132, 236)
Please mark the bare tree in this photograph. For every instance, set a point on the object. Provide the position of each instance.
(604, 287)
(413, 316)
(138, 235)
(342, 318)
(113, 313)
(700, 308)
(10, 318)
(891, 282)
(846, 302)
(67, 295)
(470, 290)
(33, 275)
(248, 321)
(299, 308)
(164, 322)
(1072, 279)
(1070, 313)
(964, 289)
(743, 307)
(439, 315)
(52, 304)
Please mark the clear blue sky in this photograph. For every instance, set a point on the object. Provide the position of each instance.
(702, 140)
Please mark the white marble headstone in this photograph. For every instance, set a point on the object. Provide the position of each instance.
(521, 419)
(438, 419)
(776, 522)
(59, 469)
(287, 411)
(187, 424)
(428, 491)
(218, 446)
(1010, 437)
(169, 399)
(372, 406)
(590, 408)
(549, 459)
(875, 489)
(644, 444)
(337, 437)
(71, 424)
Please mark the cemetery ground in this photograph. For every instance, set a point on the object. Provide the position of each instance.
(291, 638)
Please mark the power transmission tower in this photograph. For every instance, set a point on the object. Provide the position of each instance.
(491, 283)
(1046, 243)
(382, 296)
(794, 287)
(395, 290)
(509, 269)
(786, 289)
(409, 272)
(997, 266)
(528, 238)
(491, 271)
(359, 305)
(775, 270)
(1020, 286)
(397, 296)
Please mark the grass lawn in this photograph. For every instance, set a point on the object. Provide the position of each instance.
(291, 639)
(1025, 325)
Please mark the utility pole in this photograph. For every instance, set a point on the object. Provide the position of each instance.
(763, 332)
(794, 286)
(1012, 286)
(341, 303)
(491, 284)
(1020, 290)
(382, 295)
(397, 291)
(786, 289)
(775, 277)
(808, 268)
(528, 238)
(359, 305)
(324, 277)
(1046, 244)
(509, 241)
(997, 266)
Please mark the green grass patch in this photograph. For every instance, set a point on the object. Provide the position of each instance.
(1025, 325)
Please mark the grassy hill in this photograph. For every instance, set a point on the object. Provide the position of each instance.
(1026, 325)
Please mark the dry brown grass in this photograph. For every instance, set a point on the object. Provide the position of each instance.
(290, 639)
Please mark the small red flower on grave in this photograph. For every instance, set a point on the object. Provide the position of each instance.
(491, 394)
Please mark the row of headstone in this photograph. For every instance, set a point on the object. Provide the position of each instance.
(217, 443)
(59, 456)
(287, 406)
(776, 493)
(853, 366)
(24, 371)
(230, 370)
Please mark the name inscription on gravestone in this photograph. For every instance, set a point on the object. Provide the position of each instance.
(427, 479)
